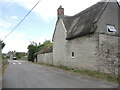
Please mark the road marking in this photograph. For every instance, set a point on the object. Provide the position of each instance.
(19, 63)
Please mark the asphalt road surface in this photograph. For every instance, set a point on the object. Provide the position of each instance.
(28, 75)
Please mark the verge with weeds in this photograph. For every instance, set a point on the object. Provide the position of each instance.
(96, 74)
(4, 65)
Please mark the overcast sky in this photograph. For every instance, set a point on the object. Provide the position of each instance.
(40, 23)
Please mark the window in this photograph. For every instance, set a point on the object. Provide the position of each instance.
(111, 29)
(72, 54)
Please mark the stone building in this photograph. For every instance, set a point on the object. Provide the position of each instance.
(89, 39)
(45, 55)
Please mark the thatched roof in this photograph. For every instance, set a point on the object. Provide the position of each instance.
(84, 22)
(47, 49)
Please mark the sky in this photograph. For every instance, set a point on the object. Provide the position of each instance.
(39, 25)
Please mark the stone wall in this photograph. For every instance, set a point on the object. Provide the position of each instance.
(92, 52)
(108, 53)
(85, 53)
(108, 44)
(46, 58)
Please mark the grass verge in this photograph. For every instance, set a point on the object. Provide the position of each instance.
(96, 74)
(4, 66)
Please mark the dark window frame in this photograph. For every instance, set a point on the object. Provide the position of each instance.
(72, 54)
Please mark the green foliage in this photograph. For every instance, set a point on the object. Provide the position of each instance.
(45, 44)
(3, 56)
(20, 55)
(7, 57)
(33, 48)
(2, 44)
(4, 62)
(31, 51)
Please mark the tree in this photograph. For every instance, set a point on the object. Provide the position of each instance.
(2, 44)
(31, 52)
(33, 48)
(47, 43)
(20, 55)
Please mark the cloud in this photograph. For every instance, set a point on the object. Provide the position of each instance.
(4, 23)
(2, 33)
(15, 44)
(17, 41)
(47, 9)
(5, 27)
(14, 17)
(20, 41)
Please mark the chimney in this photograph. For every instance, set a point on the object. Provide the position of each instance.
(60, 12)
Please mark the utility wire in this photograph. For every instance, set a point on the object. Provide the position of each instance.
(22, 20)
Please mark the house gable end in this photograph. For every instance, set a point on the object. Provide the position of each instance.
(57, 23)
(54, 30)
(109, 17)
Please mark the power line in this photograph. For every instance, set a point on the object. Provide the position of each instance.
(22, 20)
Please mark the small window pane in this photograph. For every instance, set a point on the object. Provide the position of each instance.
(72, 54)
(111, 28)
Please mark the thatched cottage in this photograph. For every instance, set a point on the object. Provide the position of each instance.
(89, 39)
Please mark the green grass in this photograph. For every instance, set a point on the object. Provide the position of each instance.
(96, 74)
(105, 76)
(4, 65)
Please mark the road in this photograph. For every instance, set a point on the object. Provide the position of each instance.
(29, 75)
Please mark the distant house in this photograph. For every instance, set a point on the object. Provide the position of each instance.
(89, 39)
(11, 54)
